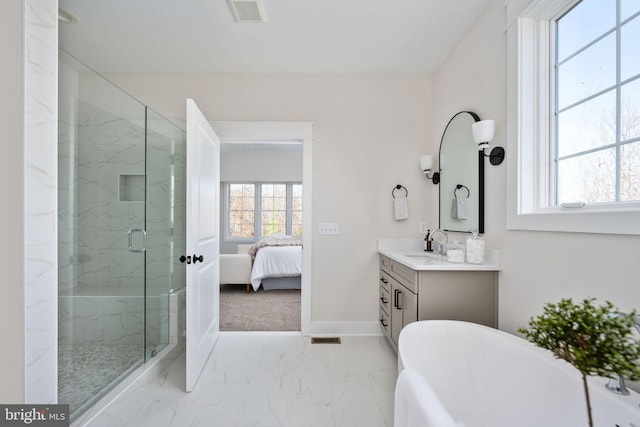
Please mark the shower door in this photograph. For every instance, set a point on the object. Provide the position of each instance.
(165, 225)
(121, 223)
(101, 199)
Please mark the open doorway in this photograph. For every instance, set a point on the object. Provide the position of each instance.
(274, 158)
(261, 236)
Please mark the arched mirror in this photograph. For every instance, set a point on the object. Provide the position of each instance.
(461, 176)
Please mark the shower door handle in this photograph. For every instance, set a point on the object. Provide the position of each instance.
(144, 240)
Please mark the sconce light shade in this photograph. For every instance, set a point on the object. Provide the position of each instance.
(426, 163)
(483, 132)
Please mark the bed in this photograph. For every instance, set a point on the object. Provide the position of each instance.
(277, 263)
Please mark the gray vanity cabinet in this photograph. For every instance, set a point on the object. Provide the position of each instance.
(407, 295)
(404, 309)
(471, 296)
(398, 298)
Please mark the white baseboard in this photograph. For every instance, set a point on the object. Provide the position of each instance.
(343, 328)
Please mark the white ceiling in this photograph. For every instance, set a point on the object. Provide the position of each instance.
(300, 37)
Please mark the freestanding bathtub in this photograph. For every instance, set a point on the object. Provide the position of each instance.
(484, 377)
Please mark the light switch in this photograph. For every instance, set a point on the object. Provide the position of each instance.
(329, 228)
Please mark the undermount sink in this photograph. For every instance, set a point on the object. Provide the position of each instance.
(421, 257)
(424, 255)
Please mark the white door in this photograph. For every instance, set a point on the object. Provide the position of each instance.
(203, 270)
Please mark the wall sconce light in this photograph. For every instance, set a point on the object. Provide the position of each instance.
(426, 163)
(483, 132)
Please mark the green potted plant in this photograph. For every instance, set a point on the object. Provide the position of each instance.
(596, 340)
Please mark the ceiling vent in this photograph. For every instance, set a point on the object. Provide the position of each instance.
(248, 11)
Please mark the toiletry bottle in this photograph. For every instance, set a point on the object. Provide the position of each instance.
(427, 242)
(475, 248)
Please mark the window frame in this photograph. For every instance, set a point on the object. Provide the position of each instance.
(257, 215)
(530, 130)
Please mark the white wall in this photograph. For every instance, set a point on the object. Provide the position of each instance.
(262, 165)
(538, 267)
(368, 135)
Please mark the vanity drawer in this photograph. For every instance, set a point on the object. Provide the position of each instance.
(384, 322)
(405, 275)
(385, 296)
(385, 281)
(385, 263)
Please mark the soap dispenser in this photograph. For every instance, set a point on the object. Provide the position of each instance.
(427, 242)
(475, 248)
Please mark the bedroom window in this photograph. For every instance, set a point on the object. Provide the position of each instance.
(274, 209)
(255, 210)
(241, 211)
(574, 80)
(296, 209)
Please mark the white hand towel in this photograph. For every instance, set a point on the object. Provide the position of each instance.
(460, 208)
(400, 208)
(416, 404)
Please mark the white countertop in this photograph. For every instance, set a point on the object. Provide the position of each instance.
(410, 253)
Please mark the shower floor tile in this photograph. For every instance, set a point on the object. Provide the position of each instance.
(84, 370)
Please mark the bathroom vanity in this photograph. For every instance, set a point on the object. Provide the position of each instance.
(414, 285)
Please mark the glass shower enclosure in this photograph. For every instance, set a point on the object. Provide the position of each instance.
(121, 230)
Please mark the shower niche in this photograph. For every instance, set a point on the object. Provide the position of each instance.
(121, 222)
(131, 188)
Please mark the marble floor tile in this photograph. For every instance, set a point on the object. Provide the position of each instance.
(269, 380)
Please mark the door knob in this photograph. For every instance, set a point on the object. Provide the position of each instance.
(186, 259)
(198, 258)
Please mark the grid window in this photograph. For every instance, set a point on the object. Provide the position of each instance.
(241, 212)
(597, 103)
(274, 209)
(255, 210)
(296, 210)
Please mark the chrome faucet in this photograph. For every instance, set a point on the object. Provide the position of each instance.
(439, 248)
(616, 384)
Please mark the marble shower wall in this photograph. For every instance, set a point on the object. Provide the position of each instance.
(40, 182)
(111, 199)
(102, 196)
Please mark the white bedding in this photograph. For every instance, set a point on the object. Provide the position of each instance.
(276, 261)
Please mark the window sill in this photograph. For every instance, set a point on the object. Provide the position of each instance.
(599, 222)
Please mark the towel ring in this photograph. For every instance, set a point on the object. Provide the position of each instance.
(399, 187)
(459, 186)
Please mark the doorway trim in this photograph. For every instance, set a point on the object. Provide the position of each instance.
(264, 131)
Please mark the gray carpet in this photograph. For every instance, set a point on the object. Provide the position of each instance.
(275, 310)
